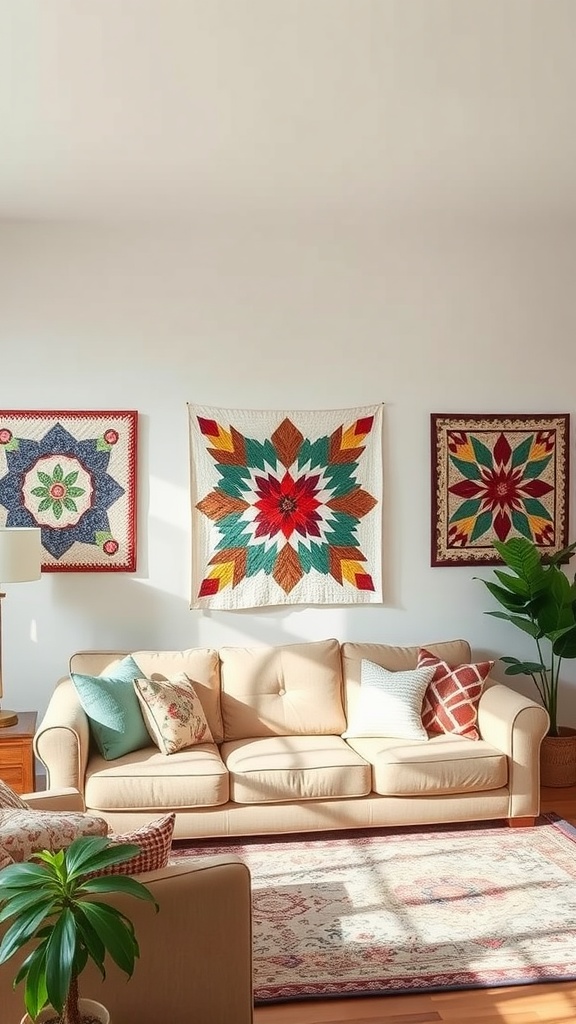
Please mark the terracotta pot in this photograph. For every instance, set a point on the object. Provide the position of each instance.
(89, 1007)
(558, 759)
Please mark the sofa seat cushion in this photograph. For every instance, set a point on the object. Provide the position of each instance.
(443, 764)
(285, 768)
(150, 780)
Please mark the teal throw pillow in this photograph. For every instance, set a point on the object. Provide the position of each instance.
(113, 709)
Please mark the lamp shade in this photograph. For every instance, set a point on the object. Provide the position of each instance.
(20, 554)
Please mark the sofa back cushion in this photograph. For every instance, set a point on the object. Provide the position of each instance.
(199, 664)
(395, 659)
(293, 690)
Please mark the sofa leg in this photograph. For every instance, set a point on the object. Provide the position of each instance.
(521, 822)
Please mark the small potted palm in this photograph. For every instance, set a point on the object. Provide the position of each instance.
(49, 900)
(539, 599)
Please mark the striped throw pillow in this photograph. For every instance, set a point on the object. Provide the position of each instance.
(390, 703)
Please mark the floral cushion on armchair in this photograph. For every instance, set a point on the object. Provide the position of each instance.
(24, 832)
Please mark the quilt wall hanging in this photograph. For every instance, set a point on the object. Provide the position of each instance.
(496, 477)
(286, 507)
(73, 474)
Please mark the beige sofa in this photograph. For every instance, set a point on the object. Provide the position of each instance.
(183, 954)
(279, 762)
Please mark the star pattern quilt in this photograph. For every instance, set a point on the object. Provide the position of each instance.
(286, 507)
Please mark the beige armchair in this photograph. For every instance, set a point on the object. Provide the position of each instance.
(195, 954)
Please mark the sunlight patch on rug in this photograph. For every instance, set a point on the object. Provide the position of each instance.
(406, 910)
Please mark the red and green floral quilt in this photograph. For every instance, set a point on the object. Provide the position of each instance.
(286, 507)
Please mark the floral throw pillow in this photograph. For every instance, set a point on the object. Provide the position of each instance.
(155, 842)
(8, 798)
(451, 699)
(25, 832)
(173, 713)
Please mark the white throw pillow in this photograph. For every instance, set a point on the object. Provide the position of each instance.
(390, 703)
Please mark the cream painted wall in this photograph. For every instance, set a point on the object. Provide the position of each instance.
(425, 317)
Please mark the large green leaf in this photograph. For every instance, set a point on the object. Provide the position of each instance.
(524, 624)
(17, 876)
(522, 556)
(26, 963)
(564, 646)
(564, 555)
(553, 608)
(117, 883)
(82, 849)
(513, 583)
(524, 668)
(25, 900)
(60, 952)
(23, 928)
(113, 853)
(90, 939)
(35, 991)
(114, 933)
(513, 602)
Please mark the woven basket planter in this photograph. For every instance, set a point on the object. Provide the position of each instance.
(558, 759)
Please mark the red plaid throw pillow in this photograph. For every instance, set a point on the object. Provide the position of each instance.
(451, 699)
(155, 842)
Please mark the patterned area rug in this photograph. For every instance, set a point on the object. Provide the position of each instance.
(381, 912)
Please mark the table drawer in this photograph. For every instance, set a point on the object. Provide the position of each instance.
(14, 777)
(11, 755)
(17, 766)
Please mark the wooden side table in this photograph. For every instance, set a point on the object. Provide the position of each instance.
(17, 754)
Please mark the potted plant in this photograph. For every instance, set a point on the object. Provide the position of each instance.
(540, 600)
(50, 900)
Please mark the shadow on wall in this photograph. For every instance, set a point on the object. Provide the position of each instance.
(117, 611)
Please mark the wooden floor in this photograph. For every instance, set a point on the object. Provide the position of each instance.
(523, 1004)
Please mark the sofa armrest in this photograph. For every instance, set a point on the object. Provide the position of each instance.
(62, 739)
(516, 725)
(67, 799)
(195, 954)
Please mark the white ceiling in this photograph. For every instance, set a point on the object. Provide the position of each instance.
(355, 108)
